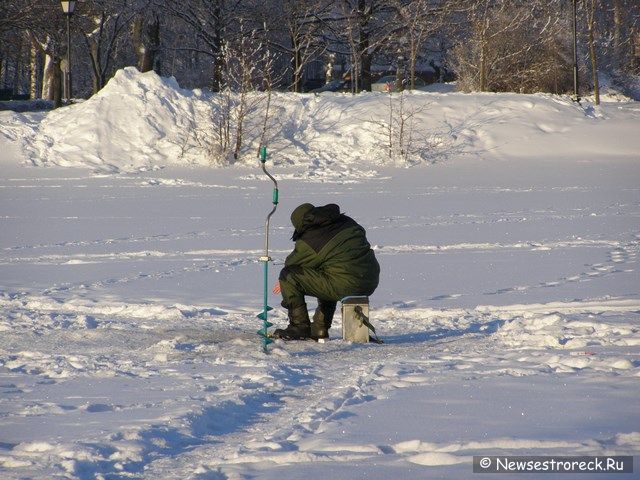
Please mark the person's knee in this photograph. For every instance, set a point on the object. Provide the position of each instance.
(289, 270)
(292, 292)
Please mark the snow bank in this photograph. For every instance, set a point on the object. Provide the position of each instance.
(141, 121)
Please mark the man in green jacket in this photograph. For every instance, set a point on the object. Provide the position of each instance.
(332, 259)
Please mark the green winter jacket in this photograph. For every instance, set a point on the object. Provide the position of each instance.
(335, 245)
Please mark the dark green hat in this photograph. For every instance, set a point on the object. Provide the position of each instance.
(298, 214)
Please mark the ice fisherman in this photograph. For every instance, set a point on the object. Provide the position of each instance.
(332, 259)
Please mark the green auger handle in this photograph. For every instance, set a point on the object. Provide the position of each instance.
(264, 331)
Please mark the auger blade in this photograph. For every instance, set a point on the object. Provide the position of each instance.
(263, 332)
(262, 316)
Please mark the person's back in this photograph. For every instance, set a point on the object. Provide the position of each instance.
(332, 259)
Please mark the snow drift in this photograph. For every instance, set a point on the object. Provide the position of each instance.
(141, 121)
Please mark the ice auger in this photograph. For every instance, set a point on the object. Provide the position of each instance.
(265, 259)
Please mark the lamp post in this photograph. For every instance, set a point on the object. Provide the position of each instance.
(576, 95)
(68, 7)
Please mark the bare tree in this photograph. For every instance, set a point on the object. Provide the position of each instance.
(240, 109)
(19, 14)
(513, 46)
(615, 21)
(614, 26)
(415, 21)
(519, 45)
(399, 129)
(105, 26)
(363, 26)
(30, 41)
(300, 22)
(12, 59)
(208, 22)
(47, 38)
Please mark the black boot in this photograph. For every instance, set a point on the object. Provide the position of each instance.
(299, 326)
(322, 319)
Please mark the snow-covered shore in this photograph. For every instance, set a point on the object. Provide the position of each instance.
(509, 300)
(140, 122)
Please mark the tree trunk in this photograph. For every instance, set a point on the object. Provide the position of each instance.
(413, 58)
(96, 70)
(618, 50)
(48, 78)
(146, 41)
(592, 50)
(240, 125)
(365, 59)
(634, 62)
(366, 71)
(52, 81)
(218, 58)
(483, 66)
(399, 87)
(17, 71)
(362, 44)
(138, 41)
(484, 80)
(218, 65)
(296, 65)
(56, 84)
(355, 73)
(152, 60)
(35, 75)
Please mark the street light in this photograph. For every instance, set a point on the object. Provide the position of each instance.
(68, 7)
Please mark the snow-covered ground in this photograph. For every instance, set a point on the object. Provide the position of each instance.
(509, 298)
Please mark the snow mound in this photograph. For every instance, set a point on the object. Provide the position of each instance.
(141, 122)
(138, 120)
